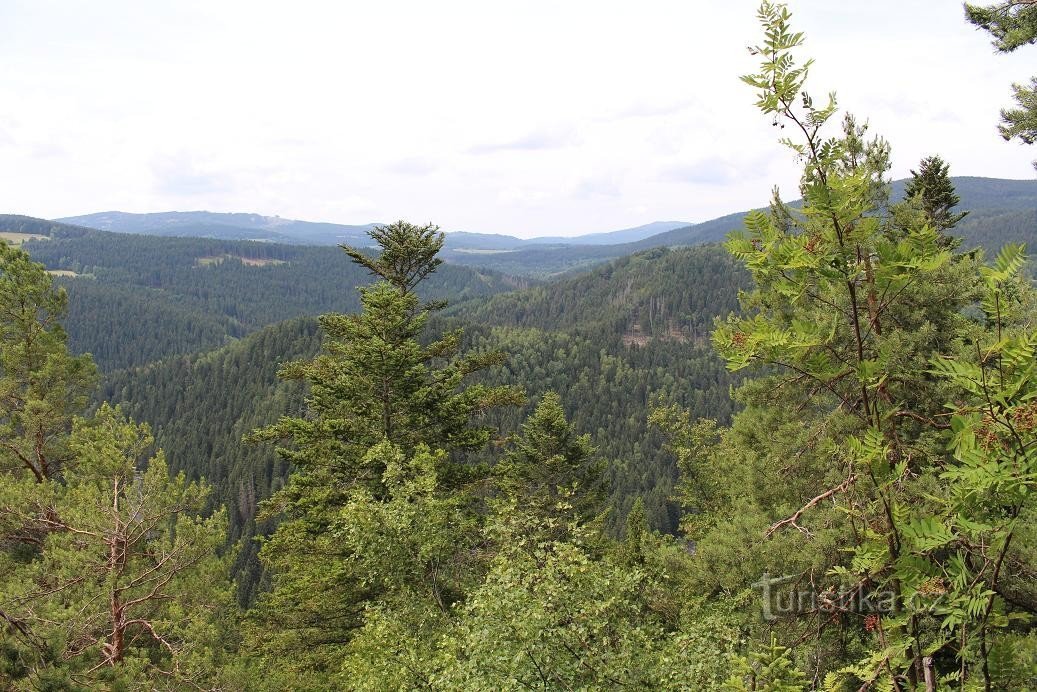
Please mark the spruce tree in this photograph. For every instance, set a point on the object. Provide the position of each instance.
(381, 394)
(932, 187)
(552, 470)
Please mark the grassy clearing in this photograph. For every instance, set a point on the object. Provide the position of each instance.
(214, 260)
(17, 239)
(69, 274)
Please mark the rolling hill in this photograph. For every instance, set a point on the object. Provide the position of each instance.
(612, 342)
(236, 226)
(205, 224)
(134, 299)
(1001, 211)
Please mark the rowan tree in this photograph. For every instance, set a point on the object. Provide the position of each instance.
(839, 476)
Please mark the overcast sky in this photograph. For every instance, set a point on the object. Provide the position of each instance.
(527, 117)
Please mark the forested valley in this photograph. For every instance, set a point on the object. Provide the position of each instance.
(791, 448)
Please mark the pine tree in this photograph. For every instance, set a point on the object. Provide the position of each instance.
(108, 574)
(128, 589)
(1013, 24)
(42, 386)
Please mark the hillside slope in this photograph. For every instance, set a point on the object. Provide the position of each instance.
(134, 298)
(223, 226)
(1013, 201)
(644, 343)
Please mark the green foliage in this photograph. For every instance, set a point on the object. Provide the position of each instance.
(859, 323)
(358, 533)
(42, 385)
(201, 406)
(109, 574)
(552, 470)
(703, 478)
(418, 551)
(438, 533)
(933, 188)
(550, 616)
(1013, 24)
(771, 669)
(1021, 122)
(127, 587)
(555, 614)
(408, 254)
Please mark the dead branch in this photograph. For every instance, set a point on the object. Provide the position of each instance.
(791, 521)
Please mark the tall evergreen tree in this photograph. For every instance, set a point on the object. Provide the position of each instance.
(42, 386)
(551, 469)
(377, 385)
(931, 185)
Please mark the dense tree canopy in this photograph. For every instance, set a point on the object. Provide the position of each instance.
(804, 460)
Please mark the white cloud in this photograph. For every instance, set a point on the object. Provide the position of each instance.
(534, 140)
(179, 175)
(524, 117)
(709, 171)
(413, 166)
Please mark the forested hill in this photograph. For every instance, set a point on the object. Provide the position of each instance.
(134, 299)
(626, 335)
(657, 293)
(204, 224)
(1013, 202)
(16, 223)
(1001, 211)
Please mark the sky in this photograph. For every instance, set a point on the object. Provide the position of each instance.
(527, 118)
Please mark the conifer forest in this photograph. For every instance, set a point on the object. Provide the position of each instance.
(788, 448)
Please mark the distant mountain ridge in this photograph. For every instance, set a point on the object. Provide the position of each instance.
(224, 226)
(1012, 202)
(1001, 210)
(244, 226)
(626, 235)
